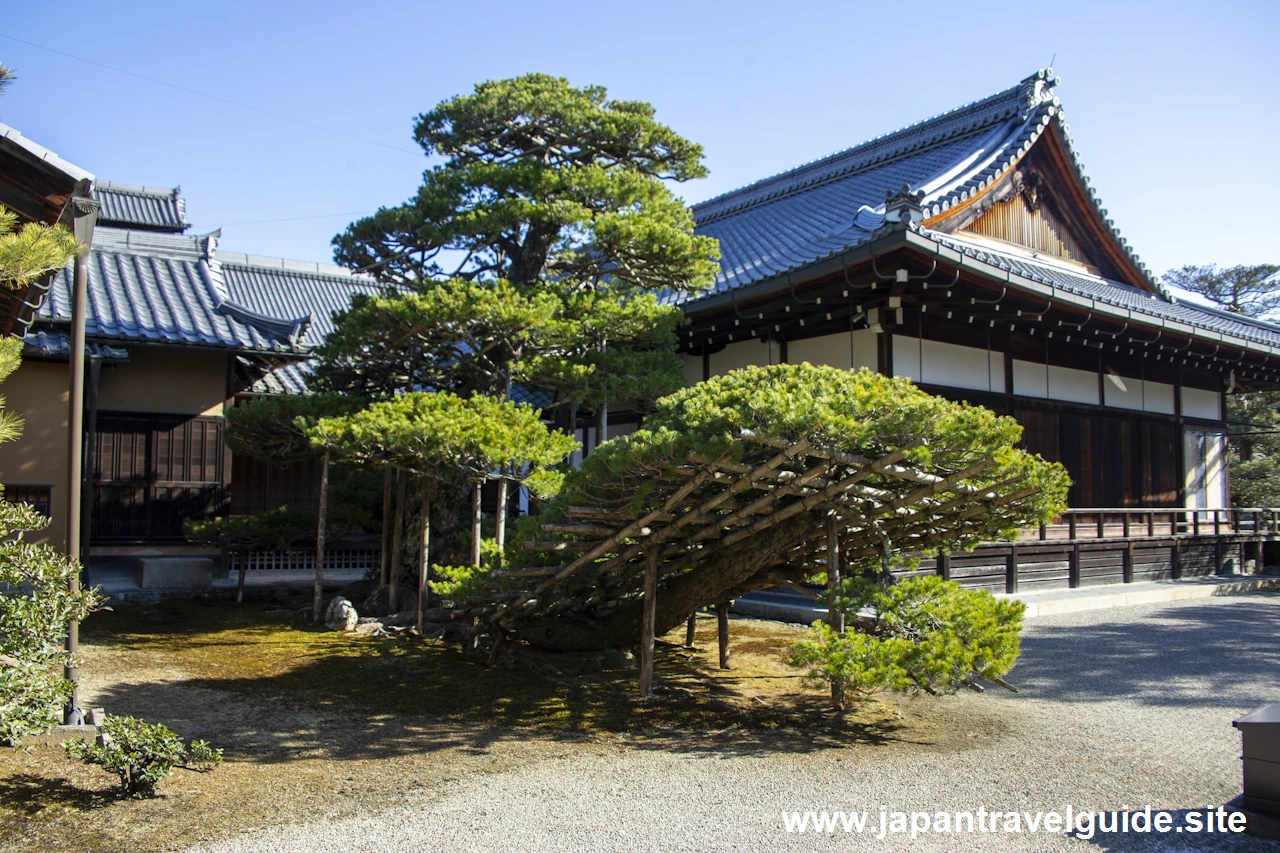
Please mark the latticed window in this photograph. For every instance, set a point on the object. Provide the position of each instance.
(40, 498)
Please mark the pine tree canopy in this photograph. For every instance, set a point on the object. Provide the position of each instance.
(1252, 290)
(536, 252)
(437, 434)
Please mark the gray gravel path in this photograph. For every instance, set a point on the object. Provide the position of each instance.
(1123, 707)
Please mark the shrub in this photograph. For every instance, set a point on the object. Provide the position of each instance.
(920, 634)
(142, 754)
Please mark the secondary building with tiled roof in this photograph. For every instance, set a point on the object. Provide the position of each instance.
(176, 330)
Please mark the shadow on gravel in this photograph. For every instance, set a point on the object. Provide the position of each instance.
(1222, 654)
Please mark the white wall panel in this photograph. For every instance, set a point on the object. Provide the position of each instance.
(692, 368)
(832, 350)
(1031, 379)
(1157, 397)
(740, 354)
(1198, 403)
(948, 364)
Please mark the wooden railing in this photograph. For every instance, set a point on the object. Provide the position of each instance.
(1136, 522)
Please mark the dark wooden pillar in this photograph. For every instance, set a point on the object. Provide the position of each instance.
(650, 618)
(722, 625)
(1011, 570)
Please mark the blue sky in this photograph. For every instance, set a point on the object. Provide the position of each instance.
(1173, 105)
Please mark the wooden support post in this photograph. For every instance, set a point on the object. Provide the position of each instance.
(475, 522)
(501, 517)
(424, 561)
(1102, 525)
(1073, 566)
(1011, 570)
(1127, 565)
(944, 566)
(835, 618)
(1217, 555)
(1151, 523)
(689, 630)
(650, 618)
(722, 626)
(1128, 517)
(318, 591)
(1071, 525)
(1177, 557)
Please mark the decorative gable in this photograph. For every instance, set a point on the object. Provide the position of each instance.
(1024, 220)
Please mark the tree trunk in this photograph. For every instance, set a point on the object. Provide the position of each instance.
(503, 486)
(837, 696)
(424, 564)
(689, 631)
(318, 593)
(475, 522)
(387, 508)
(734, 571)
(393, 564)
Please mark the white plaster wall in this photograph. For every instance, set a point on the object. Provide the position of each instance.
(1030, 379)
(740, 354)
(1198, 403)
(1139, 395)
(831, 350)
(692, 368)
(937, 363)
(1157, 397)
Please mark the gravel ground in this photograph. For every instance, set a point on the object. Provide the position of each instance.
(1124, 707)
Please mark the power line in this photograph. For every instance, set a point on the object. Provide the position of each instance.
(218, 98)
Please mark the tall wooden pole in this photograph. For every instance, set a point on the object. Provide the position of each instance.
(835, 618)
(475, 523)
(503, 495)
(393, 564)
(424, 564)
(318, 591)
(690, 629)
(650, 618)
(722, 629)
(84, 213)
(387, 498)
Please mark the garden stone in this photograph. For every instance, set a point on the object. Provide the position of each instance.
(341, 615)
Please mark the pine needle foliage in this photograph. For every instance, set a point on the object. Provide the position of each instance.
(29, 251)
(922, 634)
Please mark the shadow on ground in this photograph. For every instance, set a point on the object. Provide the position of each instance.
(1191, 655)
(265, 684)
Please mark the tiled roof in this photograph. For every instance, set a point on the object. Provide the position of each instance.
(282, 288)
(142, 208)
(166, 288)
(56, 345)
(13, 138)
(784, 223)
(1084, 283)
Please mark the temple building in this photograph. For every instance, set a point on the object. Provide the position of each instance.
(970, 253)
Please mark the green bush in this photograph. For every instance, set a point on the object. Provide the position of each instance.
(920, 634)
(142, 754)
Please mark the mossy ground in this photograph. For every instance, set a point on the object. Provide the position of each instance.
(316, 722)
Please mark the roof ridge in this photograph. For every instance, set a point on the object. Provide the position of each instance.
(139, 189)
(273, 264)
(1027, 94)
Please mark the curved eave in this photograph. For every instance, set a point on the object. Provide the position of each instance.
(1061, 296)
